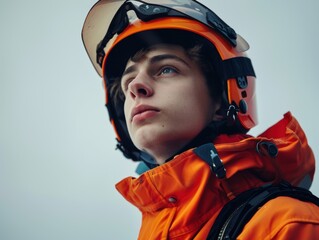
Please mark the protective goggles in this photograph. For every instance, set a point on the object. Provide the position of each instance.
(116, 15)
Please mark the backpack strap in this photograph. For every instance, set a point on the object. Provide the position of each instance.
(236, 213)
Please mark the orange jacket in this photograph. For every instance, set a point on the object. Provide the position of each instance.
(182, 198)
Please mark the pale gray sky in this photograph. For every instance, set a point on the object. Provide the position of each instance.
(58, 165)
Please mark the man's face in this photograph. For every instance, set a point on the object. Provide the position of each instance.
(167, 102)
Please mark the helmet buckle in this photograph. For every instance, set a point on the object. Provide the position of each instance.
(231, 114)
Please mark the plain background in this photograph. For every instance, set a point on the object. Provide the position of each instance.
(58, 163)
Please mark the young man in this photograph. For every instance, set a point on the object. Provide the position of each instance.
(167, 102)
(180, 95)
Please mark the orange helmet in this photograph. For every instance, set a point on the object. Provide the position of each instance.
(114, 30)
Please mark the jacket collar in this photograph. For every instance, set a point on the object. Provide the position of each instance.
(247, 161)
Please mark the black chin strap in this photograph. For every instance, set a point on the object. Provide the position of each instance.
(207, 135)
(238, 67)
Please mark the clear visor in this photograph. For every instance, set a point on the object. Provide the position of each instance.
(108, 18)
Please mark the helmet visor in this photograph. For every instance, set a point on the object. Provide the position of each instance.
(108, 18)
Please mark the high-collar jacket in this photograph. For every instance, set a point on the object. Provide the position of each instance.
(182, 198)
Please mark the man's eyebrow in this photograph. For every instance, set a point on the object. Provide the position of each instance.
(161, 57)
(129, 70)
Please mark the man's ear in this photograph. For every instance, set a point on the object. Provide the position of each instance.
(217, 117)
(217, 112)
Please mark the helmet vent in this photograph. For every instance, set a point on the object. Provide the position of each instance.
(242, 82)
(243, 94)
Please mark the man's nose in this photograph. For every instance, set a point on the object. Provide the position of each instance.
(140, 86)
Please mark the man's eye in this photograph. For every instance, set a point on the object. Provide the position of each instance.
(168, 70)
(125, 83)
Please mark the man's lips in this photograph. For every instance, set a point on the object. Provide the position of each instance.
(140, 109)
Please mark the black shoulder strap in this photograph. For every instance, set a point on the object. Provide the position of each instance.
(236, 213)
